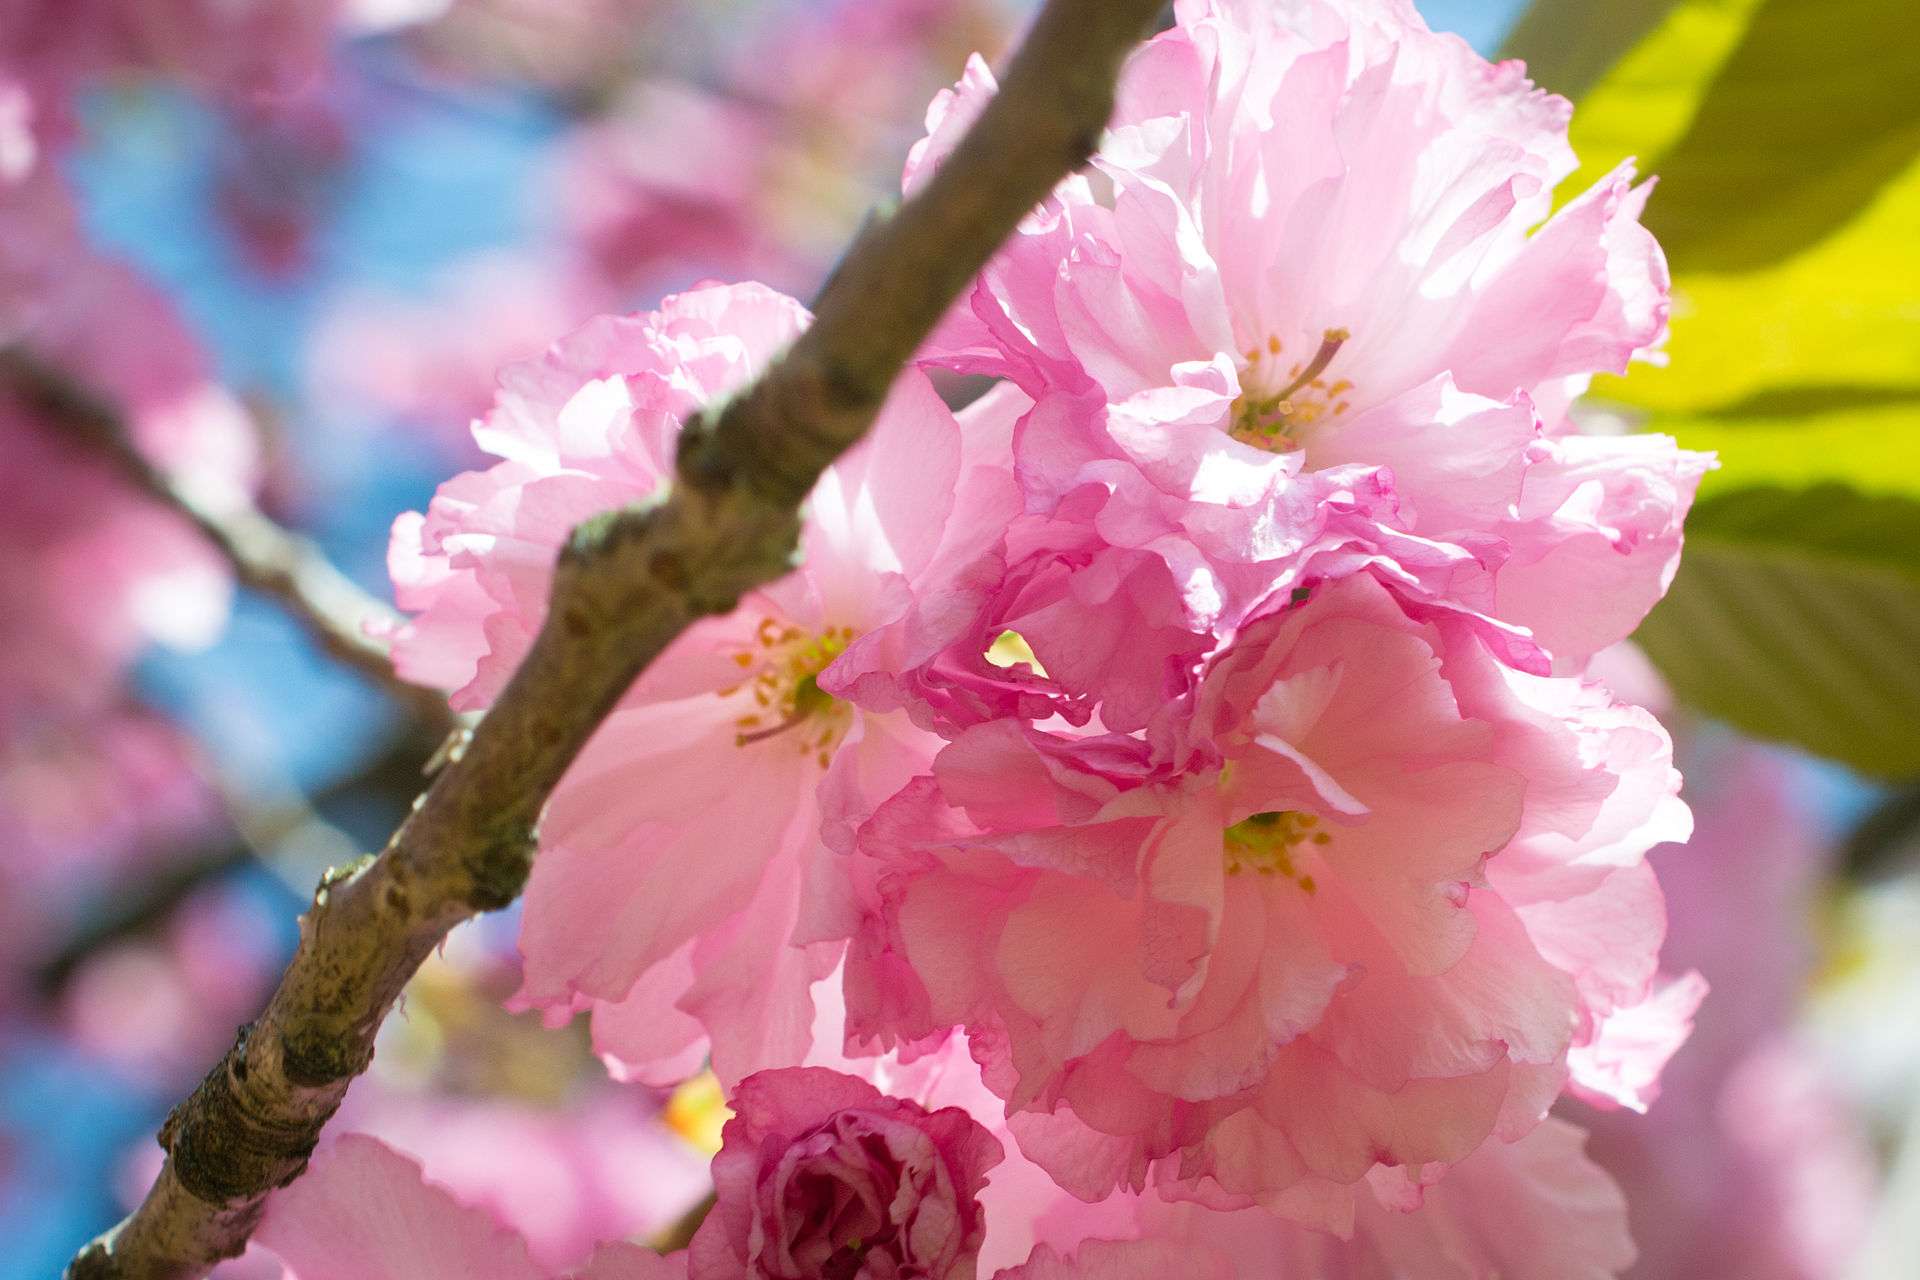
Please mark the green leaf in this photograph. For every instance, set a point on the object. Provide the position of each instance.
(1815, 110)
(1785, 134)
(1569, 44)
(1781, 127)
(1645, 103)
(1771, 122)
(1796, 616)
(1806, 370)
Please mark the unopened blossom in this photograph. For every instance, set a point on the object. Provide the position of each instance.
(1317, 270)
(821, 1175)
(674, 854)
(1027, 1215)
(1360, 923)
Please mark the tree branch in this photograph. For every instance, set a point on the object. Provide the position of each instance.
(626, 584)
(264, 556)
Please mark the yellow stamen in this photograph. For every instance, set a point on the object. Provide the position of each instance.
(1275, 421)
(1265, 844)
(787, 684)
(1010, 649)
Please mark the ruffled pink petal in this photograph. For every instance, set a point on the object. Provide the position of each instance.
(698, 835)
(1536, 1209)
(1595, 538)
(1621, 1064)
(1121, 1260)
(363, 1210)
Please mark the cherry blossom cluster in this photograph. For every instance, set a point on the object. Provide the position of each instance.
(1170, 821)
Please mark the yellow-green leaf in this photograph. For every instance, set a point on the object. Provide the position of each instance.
(1859, 436)
(1785, 135)
(1815, 110)
(1846, 312)
(1644, 104)
(1569, 44)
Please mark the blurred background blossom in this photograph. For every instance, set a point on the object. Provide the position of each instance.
(296, 239)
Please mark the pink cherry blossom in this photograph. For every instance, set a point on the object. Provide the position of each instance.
(364, 1211)
(1533, 1209)
(41, 228)
(1027, 1218)
(639, 207)
(565, 1183)
(822, 1175)
(1309, 256)
(1356, 922)
(1123, 1260)
(19, 147)
(277, 178)
(567, 1179)
(1027, 1214)
(1410, 1223)
(795, 139)
(675, 853)
(813, 1159)
(160, 1010)
(576, 50)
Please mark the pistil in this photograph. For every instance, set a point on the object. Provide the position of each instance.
(1274, 421)
(786, 691)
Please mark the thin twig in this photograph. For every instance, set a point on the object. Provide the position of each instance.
(265, 557)
(625, 586)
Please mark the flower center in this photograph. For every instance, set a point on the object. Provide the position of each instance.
(1277, 421)
(845, 1262)
(786, 663)
(1264, 844)
(1010, 649)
